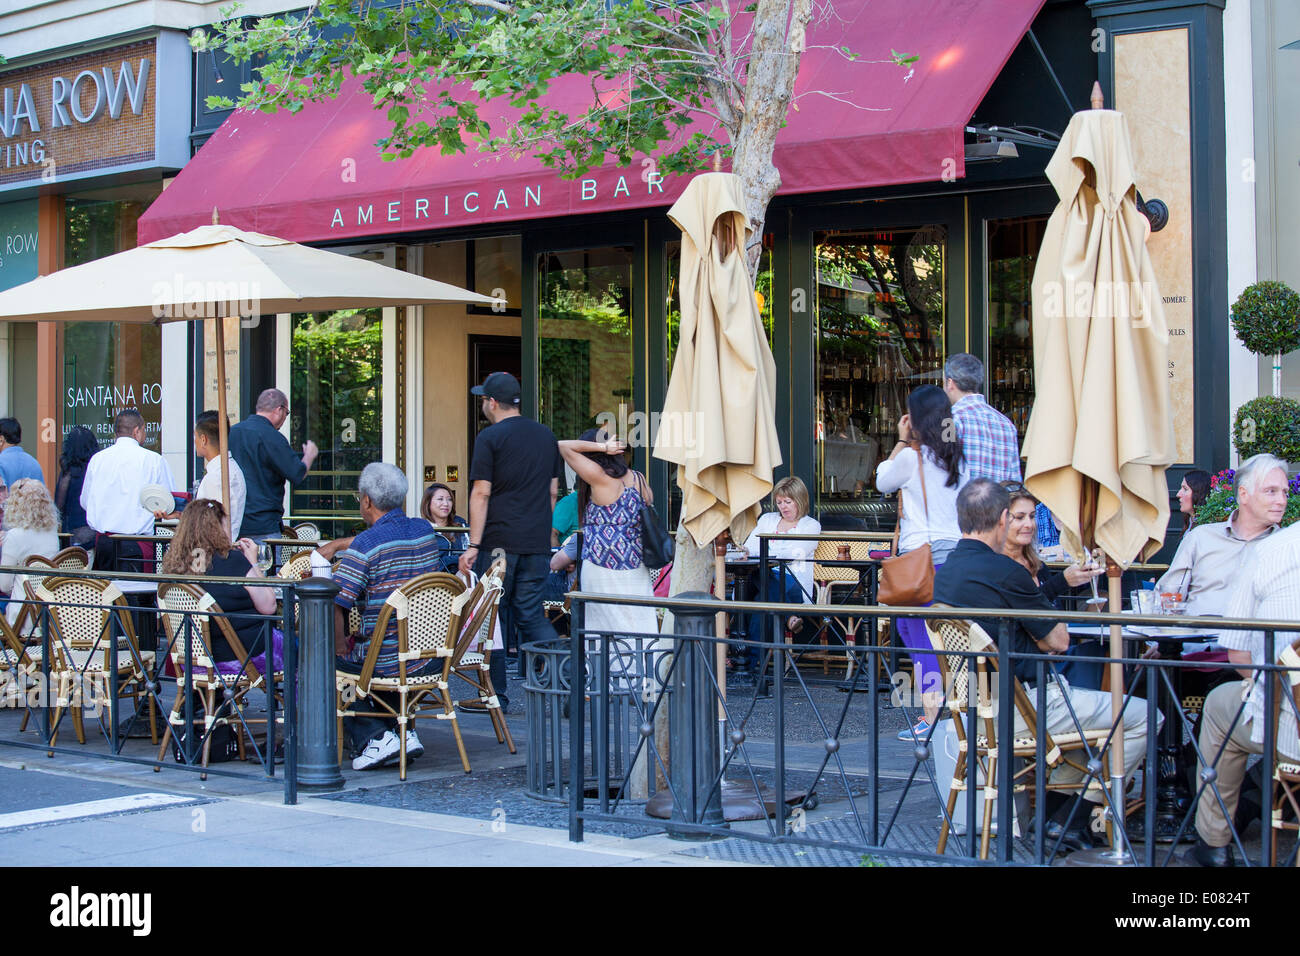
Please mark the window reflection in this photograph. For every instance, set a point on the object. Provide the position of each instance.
(584, 349)
(1013, 251)
(336, 400)
(880, 330)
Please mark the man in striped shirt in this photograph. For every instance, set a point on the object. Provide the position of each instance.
(988, 439)
(1268, 589)
(392, 550)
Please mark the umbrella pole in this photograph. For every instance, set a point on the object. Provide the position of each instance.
(720, 628)
(1118, 843)
(222, 425)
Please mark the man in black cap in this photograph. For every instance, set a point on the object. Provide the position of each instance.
(515, 479)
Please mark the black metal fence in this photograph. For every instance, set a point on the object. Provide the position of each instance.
(105, 653)
(690, 735)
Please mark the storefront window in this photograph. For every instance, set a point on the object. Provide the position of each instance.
(584, 349)
(880, 332)
(1013, 249)
(336, 400)
(109, 366)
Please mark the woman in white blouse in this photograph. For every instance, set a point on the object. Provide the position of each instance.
(31, 527)
(790, 575)
(928, 444)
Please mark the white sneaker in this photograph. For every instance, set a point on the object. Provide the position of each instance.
(413, 746)
(378, 752)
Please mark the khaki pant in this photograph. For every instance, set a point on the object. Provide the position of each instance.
(1092, 707)
(1217, 715)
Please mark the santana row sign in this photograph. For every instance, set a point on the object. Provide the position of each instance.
(79, 115)
(111, 88)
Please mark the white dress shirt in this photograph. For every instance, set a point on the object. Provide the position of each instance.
(798, 553)
(210, 487)
(114, 478)
(1268, 589)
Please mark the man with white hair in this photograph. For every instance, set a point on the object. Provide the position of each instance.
(391, 551)
(1209, 559)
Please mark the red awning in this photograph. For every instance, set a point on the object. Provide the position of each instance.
(316, 175)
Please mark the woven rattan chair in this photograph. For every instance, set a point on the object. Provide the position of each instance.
(828, 580)
(71, 559)
(474, 649)
(160, 547)
(297, 567)
(81, 614)
(955, 637)
(1286, 772)
(18, 664)
(306, 531)
(429, 611)
(190, 615)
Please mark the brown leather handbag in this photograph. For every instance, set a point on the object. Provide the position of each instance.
(907, 580)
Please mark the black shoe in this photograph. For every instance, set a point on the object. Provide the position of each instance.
(1202, 854)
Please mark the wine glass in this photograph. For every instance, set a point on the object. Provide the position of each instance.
(264, 557)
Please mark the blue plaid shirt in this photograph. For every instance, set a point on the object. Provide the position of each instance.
(988, 438)
(1049, 536)
(383, 558)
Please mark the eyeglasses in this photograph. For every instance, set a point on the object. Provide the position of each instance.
(1013, 486)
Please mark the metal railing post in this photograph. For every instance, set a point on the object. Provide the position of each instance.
(693, 749)
(318, 759)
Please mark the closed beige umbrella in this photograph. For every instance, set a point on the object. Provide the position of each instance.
(1100, 436)
(215, 272)
(719, 417)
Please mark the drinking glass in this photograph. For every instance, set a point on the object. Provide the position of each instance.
(264, 557)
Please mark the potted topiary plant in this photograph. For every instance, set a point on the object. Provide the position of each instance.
(1266, 318)
(1268, 424)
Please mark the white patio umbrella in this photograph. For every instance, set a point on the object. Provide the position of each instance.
(217, 272)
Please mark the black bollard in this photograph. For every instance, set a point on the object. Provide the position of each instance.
(318, 756)
(693, 719)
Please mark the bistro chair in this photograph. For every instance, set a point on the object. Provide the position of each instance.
(72, 559)
(160, 547)
(474, 649)
(18, 664)
(83, 656)
(951, 637)
(429, 611)
(306, 531)
(1286, 770)
(297, 567)
(190, 617)
(832, 584)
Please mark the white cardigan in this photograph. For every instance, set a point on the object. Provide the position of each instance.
(799, 553)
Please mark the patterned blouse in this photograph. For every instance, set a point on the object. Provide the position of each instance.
(611, 534)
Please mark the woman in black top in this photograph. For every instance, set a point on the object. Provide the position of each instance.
(1022, 532)
(201, 546)
(78, 447)
(439, 508)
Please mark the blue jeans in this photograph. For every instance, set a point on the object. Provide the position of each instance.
(784, 587)
(522, 619)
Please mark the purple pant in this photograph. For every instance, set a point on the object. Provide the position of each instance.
(911, 630)
(277, 657)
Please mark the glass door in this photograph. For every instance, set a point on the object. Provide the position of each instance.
(880, 313)
(1012, 254)
(584, 339)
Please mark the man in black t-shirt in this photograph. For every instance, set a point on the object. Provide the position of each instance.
(978, 574)
(515, 479)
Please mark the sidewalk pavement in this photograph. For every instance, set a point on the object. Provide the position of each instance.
(257, 829)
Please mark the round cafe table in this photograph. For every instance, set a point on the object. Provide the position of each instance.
(1173, 796)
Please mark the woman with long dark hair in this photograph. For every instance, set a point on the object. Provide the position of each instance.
(927, 467)
(1191, 494)
(79, 445)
